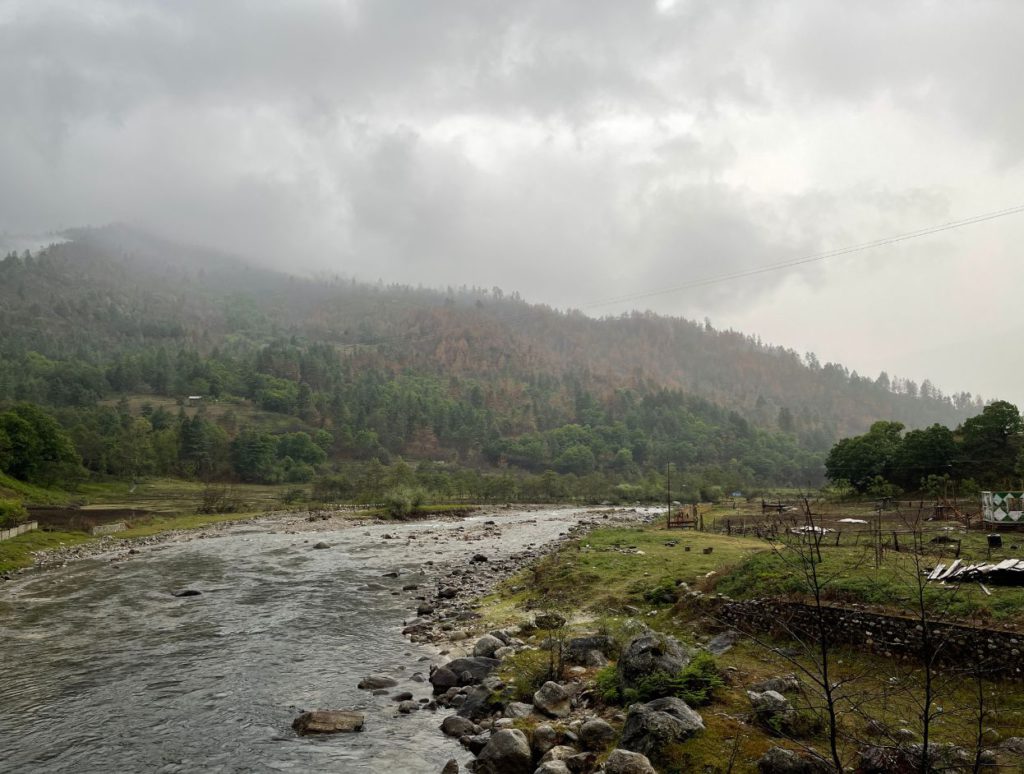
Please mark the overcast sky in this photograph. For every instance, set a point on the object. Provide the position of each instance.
(573, 151)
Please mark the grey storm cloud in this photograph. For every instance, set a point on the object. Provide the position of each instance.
(574, 151)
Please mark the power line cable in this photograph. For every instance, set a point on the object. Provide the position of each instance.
(817, 257)
(731, 276)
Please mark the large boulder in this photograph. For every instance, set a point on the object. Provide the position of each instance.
(653, 726)
(650, 653)
(592, 651)
(1014, 744)
(506, 752)
(480, 703)
(462, 671)
(473, 669)
(552, 699)
(779, 760)
(773, 710)
(596, 734)
(544, 738)
(328, 722)
(626, 762)
(376, 682)
(456, 726)
(486, 646)
(443, 678)
(781, 684)
(941, 757)
(722, 643)
(552, 767)
(518, 709)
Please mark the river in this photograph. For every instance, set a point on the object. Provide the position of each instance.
(104, 670)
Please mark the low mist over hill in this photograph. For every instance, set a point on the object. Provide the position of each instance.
(472, 376)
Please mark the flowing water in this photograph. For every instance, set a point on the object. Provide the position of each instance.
(102, 669)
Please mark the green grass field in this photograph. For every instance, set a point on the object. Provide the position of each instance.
(17, 551)
(593, 579)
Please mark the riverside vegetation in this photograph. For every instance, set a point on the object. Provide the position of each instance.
(614, 593)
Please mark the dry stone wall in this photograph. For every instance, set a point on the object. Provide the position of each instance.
(995, 650)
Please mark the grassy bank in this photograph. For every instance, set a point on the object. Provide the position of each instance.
(615, 581)
(12, 488)
(17, 552)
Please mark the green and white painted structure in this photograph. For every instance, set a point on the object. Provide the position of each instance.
(1002, 507)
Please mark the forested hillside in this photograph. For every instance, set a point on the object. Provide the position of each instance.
(113, 329)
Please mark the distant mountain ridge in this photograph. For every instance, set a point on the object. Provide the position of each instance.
(114, 290)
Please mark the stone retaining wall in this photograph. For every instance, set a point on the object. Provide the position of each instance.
(21, 529)
(884, 635)
(107, 529)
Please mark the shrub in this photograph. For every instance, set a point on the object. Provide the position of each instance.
(293, 495)
(695, 684)
(402, 501)
(526, 671)
(12, 513)
(607, 681)
(218, 499)
(663, 594)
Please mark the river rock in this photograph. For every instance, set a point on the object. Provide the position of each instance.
(650, 653)
(596, 734)
(552, 767)
(451, 767)
(781, 761)
(626, 762)
(328, 722)
(443, 679)
(487, 645)
(187, 593)
(723, 642)
(781, 684)
(772, 710)
(480, 703)
(475, 743)
(453, 725)
(377, 682)
(552, 699)
(560, 752)
(506, 752)
(322, 544)
(653, 726)
(544, 738)
(518, 709)
(472, 669)
(592, 651)
(1014, 744)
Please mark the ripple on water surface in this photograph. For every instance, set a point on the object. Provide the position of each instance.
(116, 674)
